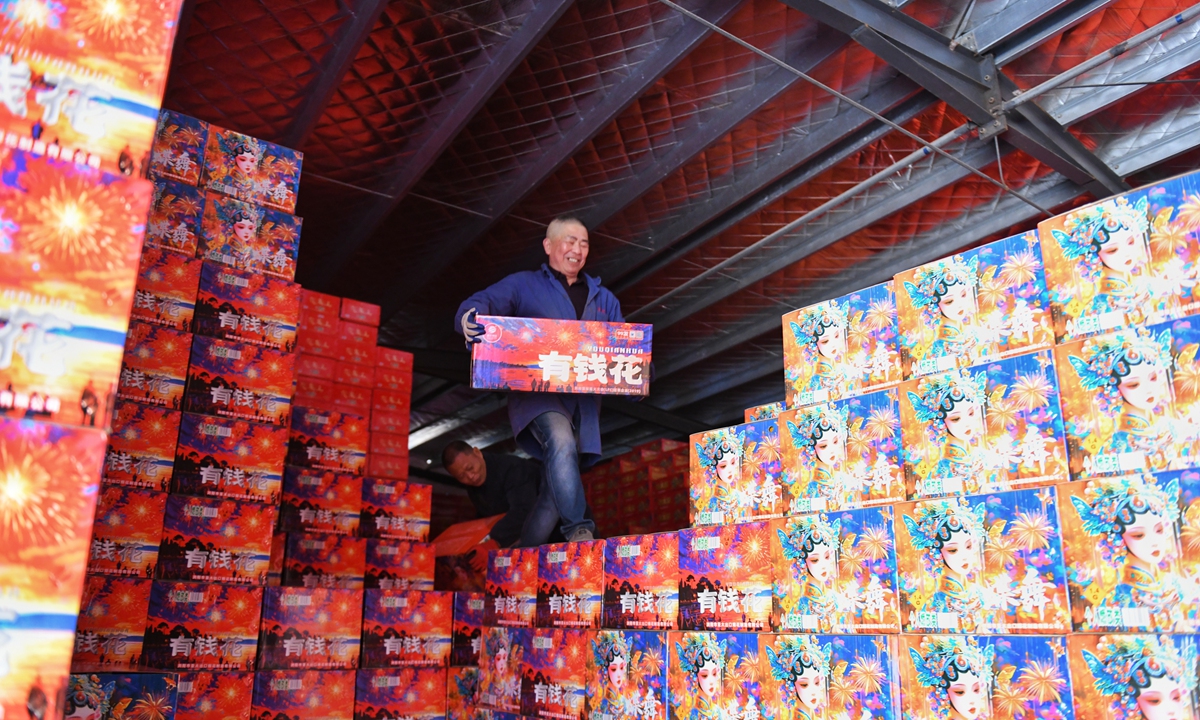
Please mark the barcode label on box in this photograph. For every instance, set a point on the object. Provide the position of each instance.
(309, 480)
(502, 561)
(312, 544)
(395, 602)
(381, 489)
(542, 643)
(556, 556)
(387, 550)
(704, 544)
(316, 419)
(287, 684)
(629, 551)
(474, 604)
(937, 620)
(231, 279)
(224, 352)
(199, 511)
(188, 597)
(294, 600)
(388, 681)
(216, 430)
(185, 687)
(712, 518)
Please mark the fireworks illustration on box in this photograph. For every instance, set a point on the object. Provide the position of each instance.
(295, 694)
(327, 440)
(512, 585)
(835, 572)
(981, 305)
(252, 170)
(166, 289)
(842, 347)
(120, 695)
(984, 429)
(127, 531)
(248, 307)
(141, 446)
(235, 459)
(552, 684)
(842, 455)
(328, 561)
(320, 501)
(155, 364)
(179, 143)
(214, 540)
(715, 478)
(725, 576)
(1134, 677)
(417, 693)
(760, 494)
(468, 628)
(395, 509)
(500, 661)
(462, 693)
(714, 676)
(570, 585)
(227, 695)
(406, 628)
(627, 675)
(1123, 538)
(112, 619)
(641, 582)
(248, 237)
(409, 565)
(201, 626)
(237, 380)
(824, 677)
(176, 210)
(305, 629)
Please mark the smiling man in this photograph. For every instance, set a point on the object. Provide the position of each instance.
(562, 430)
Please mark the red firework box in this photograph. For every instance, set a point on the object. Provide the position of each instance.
(355, 353)
(567, 356)
(393, 359)
(166, 289)
(394, 467)
(319, 322)
(155, 365)
(389, 444)
(310, 628)
(390, 380)
(395, 509)
(112, 621)
(248, 237)
(414, 693)
(716, 674)
(141, 446)
(175, 214)
(328, 440)
(320, 501)
(725, 578)
(247, 307)
(641, 582)
(360, 312)
(406, 628)
(214, 540)
(303, 695)
(240, 381)
(179, 142)
(553, 674)
(204, 695)
(386, 400)
(570, 585)
(354, 333)
(462, 693)
(390, 422)
(319, 302)
(350, 373)
(312, 391)
(325, 346)
(314, 366)
(468, 628)
(235, 459)
(351, 398)
(251, 170)
(127, 531)
(314, 560)
(512, 586)
(202, 626)
(399, 564)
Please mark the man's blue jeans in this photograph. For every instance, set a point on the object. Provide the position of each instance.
(560, 497)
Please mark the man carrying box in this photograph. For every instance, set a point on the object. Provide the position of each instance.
(562, 430)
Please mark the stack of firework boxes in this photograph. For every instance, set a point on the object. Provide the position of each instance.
(642, 491)
(981, 496)
(72, 222)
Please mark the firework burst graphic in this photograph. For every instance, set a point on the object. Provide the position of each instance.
(1020, 268)
(1032, 530)
(1042, 680)
(35, 508)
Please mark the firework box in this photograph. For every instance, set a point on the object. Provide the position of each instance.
(154, 370)
(626, 670)
(227, 695)
(174, 222)
(715, 477)
(394, 467)
(400, 564)
(570, 585)
(500, 661)
(468, 628)
(166, 289)
(1005, 431)
(416, 693)
(1129, 552)
(349, 373)
(393, 379)
(179, 147)
(356, 353)
(553, 681)
(846, 583)
(395, 509)
(327, 440)
(314, 366)
(240, 381)
(325, 346)
(320, 501)
(303, 695)
(250, 238)
(143, 695)
(737, 686)
(394, 359)
(1162, 668)
(226, 458)
(316, 321)
(355, 333)
(974, 307)
(310, 628)
(390, 422)
(141, 446)
(389, 444)
(725, 576)
(247, 307)
(360, 312)
(112, 620)
(855, 677)
(765, 412)
(842, 455)
(641, 582)
(1000, 570)
(564, 356)
(312, 391)
(841, 347)
(127, 531)
(355, 400)
(201, 626)
(215, 540)
(251, 170)
(462, 693)
(319, 302)
(512, 587)
(760, 492)
(406, 628)
(313, 560)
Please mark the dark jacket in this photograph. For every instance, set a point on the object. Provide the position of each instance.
(511, 488)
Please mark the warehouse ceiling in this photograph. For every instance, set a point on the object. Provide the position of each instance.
(440, 136)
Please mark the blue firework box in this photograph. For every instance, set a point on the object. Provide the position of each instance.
(123, 695)
(738, 691)
(862, 669)
(612, 687)
(564, 356)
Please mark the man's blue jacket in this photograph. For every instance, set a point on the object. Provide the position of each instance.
(538, 294)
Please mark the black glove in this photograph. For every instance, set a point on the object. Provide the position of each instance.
(471, 330)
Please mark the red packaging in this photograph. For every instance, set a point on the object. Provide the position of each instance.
(312, 560)
(327, 440)
(211, 540)
(319, 302)
(570, 585)
(468, 628)
(396, 401)
(141, 446)
(237, 380)
(326, 346)
(360, 312)
(390, 422)
(406, 628)
(399, 564)
(304, 695)
(112, 621)
(395, 509)
(165, 293)
(393, 467)
(641, 582)
(203, 695)
(389, 444)
(218, 457)
(247, 306)
(155, 365)
(315, 628)
(312, 391)
(354, 374)
(351, 398)
(352, 332)
(314, 366)
(393, 359)
(387, 378)
(320, 501)
(321, 323)
(410, 693)
(554, 684)
(512, 586)
(127, 532)
(199, 626)
(361, 354)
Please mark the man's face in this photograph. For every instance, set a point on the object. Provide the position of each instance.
(468, 468)
(568, 249)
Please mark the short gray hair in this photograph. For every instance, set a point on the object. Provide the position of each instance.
(557, 224)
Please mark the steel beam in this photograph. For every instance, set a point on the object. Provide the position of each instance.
(469, 413)
(1013, 47)
(1013, 18)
